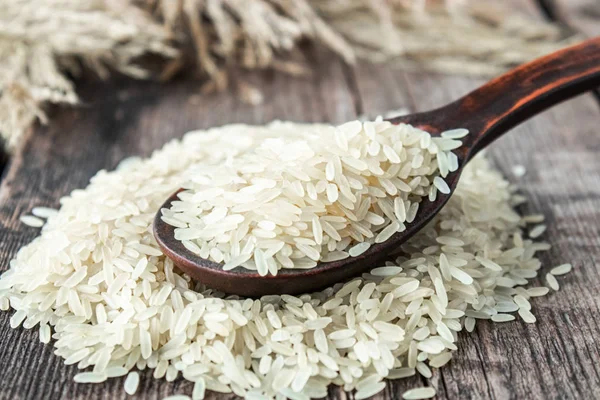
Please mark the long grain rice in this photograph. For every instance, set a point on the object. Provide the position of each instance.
(419, 393)
(561, 269)
(131, 383)
(97, 280)
(300, 182)
(32, 221)
(552, 282)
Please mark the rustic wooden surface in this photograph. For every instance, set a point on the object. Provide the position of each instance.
(556, 358)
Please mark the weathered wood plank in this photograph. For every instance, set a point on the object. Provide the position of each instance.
(581, 17)
(555, 357)
(122, 119)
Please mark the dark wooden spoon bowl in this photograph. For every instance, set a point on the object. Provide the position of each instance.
(487, 112)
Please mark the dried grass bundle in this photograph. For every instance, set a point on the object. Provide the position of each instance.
(43, 44)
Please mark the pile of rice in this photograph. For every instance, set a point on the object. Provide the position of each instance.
(96, 279)
(323, 196)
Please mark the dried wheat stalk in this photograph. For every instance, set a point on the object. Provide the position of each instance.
(42, 43)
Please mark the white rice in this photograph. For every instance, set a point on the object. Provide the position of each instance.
(199, 389)
(131, 383)
(537, 291)
(359, 249)
(441, 185)
(503, 317)
(440, 360)
(455, 134)
(419, 393)
(369, 391)
(519, 171)
(32, 221)
(561, 269)
(522, 302)
(44, 212)
(533, 219)
(89, 377)
(527, 316)
(115, 303)
(552, 282)
(537, 231)
(285, 188)
(424, 370)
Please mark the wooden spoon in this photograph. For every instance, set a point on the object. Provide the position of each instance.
(487, 113)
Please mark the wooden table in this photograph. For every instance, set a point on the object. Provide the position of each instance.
(556, 358)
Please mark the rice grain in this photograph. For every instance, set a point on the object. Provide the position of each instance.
(419, 393)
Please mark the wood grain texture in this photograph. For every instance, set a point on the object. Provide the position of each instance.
(556, 358)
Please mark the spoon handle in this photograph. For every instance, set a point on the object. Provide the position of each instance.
(508, 100)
